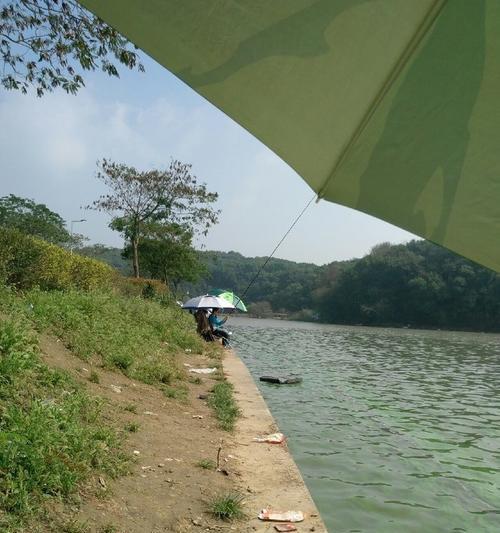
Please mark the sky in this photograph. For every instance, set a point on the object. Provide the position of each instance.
(49, 148)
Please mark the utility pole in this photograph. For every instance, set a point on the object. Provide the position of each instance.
(71, 230)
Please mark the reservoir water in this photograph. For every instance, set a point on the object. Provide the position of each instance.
(393, 430)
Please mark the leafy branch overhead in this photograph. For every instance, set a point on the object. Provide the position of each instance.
(46, 44)
(155, 203)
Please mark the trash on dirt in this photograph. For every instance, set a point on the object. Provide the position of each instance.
(188, 350)
(150, 413)
(115, 388)
(281, 516)
(136, 452)
(198, 416)
(102, 482)
(273, 438)
(187, 365)
(147, 467)
(203, 370)
(285, 527)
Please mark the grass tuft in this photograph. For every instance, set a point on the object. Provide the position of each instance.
(206, 464)
(132, 427)
(179, 392)
(223, 402)
(227, 506)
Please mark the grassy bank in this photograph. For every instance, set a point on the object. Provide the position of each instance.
(52, 435)
(141, 338)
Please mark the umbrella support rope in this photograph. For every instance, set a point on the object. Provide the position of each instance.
(278, 245)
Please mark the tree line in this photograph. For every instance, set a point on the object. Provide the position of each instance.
(418, 284)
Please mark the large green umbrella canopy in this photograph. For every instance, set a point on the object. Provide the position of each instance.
(387, 106)
(230, 297)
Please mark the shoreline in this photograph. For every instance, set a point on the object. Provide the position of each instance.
(269, 474)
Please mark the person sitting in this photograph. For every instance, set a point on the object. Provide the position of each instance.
(202, 325)
(216, 323)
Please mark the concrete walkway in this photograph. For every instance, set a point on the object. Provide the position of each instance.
(269, 476)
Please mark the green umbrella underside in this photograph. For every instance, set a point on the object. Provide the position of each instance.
(230, 297)
(390, 107)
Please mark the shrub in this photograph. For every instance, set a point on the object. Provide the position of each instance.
(147, 288)
(27, 262)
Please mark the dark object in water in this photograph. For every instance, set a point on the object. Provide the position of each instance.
(287, 380)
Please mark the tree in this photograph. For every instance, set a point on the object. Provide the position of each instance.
(33, 219)
(170, 260)
(46, 44)
(151, 202)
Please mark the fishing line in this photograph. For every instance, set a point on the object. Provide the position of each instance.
(278, 245)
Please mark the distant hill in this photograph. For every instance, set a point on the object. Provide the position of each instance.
(110, 255)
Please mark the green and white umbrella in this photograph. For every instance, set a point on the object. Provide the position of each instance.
(230, 297)
(390, 107)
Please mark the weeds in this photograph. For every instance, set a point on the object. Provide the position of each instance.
(131, 408)
(74, 526)
(94, 377)
(206, 464)
(108, 528)
(132, 427)
(227, 506)
(224, 405)
(177, 393)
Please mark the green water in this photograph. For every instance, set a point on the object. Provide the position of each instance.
(393, 430)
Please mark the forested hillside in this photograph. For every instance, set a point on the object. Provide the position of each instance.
(281, 287)
(418, 284)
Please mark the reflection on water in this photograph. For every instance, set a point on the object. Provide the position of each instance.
(393, 430)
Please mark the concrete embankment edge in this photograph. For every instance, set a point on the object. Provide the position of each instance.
(269, 475)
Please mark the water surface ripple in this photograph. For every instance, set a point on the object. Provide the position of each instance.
(393, 430)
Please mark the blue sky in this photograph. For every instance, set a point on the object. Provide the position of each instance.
(50, 145)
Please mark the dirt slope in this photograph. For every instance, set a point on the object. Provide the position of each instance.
(165, 491)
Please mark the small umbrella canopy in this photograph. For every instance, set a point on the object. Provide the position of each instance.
(390, 107)
(230, 297)
(207, 301)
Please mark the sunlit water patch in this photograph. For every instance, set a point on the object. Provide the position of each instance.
(393, 430)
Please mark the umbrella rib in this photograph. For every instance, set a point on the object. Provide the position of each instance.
(421, 31)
